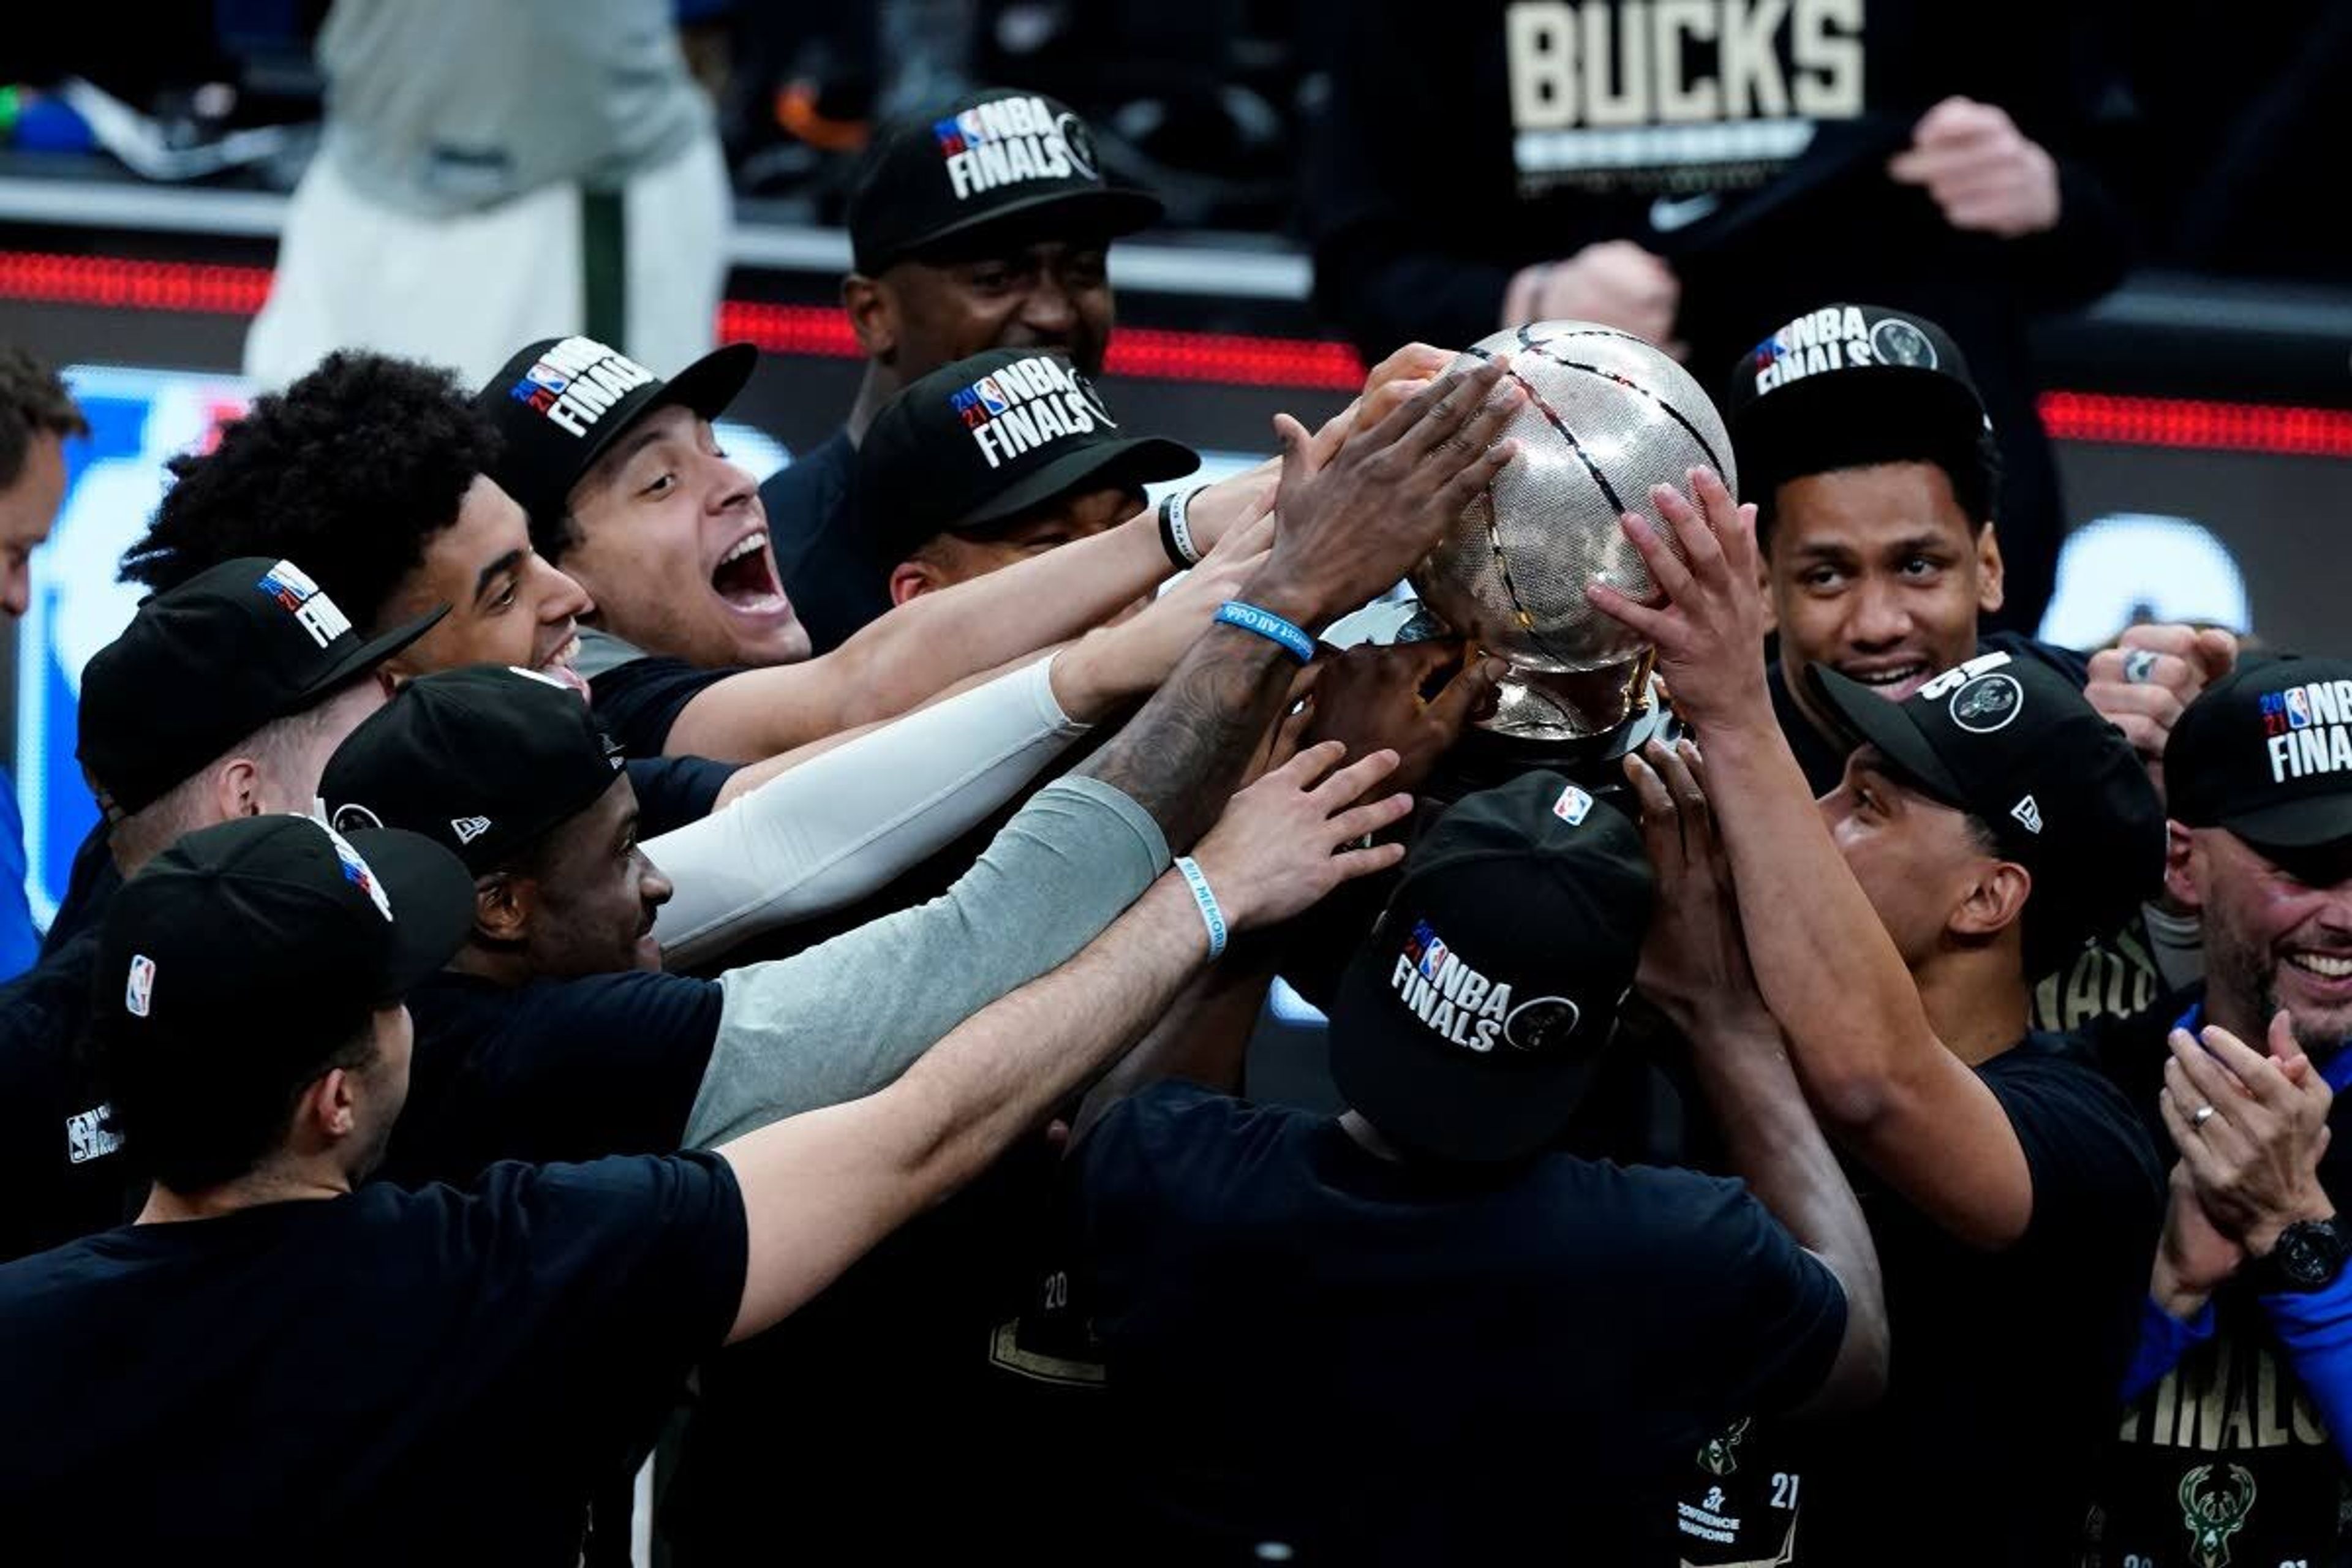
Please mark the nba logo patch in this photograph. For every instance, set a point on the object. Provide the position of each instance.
(139, 987)
(950, 137)
(991, 396)
(359, 873)
(2298, 708)
(1572, 806)
(1770, 349)
(1427, 951)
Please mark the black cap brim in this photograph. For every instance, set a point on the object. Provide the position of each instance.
(1868, 717)
(1109, 212)
(1139, 459)
(2315, 822)
(366, 657)
(707, 386)
(1433, 1100)
(432, 898)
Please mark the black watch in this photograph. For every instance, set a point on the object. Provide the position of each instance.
(2309, 1255)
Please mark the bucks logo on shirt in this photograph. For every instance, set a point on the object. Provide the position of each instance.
(2222, 1464)
(1739, 1509)
(1685, 102)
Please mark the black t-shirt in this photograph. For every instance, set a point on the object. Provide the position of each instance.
(2233, 1417)
(88, 886)
(560, 1069)
(638, 701)
(675, 791)
(928, 1351)
(2003, 1385)
(383, 1378)
(61, 1164)
(1382, 1362)
(832, 569)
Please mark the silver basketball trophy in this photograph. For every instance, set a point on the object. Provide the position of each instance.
(1607, 415)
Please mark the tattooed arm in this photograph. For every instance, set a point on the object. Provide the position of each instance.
(1354, 515)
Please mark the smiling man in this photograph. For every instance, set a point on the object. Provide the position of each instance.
(2240, 1413)
(1868, 453)
(985, 225)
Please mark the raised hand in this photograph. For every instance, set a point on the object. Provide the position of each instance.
(1695, 964)
(2142, 684)
(1369, 697)
(1984, 173)
(2251, 1129)
(1615, 282)
(1280, 846)
(1351, 523)
(1709, 628)
(2194, 1256)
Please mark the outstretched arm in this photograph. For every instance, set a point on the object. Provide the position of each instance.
(821, 1188)
(1694, 970)
(1872, 1066)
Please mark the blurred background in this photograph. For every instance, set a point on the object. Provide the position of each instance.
(2201, 410)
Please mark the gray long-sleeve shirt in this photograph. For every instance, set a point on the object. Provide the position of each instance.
(643, 1062)
(845, 1018)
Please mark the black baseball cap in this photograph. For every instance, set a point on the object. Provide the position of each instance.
(484, 760)
(2266, 752)
(238, 935)
(2010, 741)
(561, 403)
(994, 160)
(977, 443)
(1473, 1022)
(203, 665)
(1837, 375)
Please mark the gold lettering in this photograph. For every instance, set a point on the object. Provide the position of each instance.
(1539, 47)
(1626, 100)
(1828, 75)
(1680, 99)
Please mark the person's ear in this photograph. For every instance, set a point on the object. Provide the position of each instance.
(1993, 901)
(237, 789)
(2181, 868)
(1989, 578)
(912, 578)
(873, 314)
(503, 902)
(327, 1112)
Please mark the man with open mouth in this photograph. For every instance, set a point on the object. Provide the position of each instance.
(693, 649)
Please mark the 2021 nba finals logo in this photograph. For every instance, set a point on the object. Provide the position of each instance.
(1008, 141)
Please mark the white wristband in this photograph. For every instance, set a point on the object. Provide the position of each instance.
(1179, 532)
(1211, 915)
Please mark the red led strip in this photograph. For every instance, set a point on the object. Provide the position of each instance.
(1226, 358)
(2198, 426)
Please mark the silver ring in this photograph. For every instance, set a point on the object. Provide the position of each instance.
(2200, 1115)
(2139, 663)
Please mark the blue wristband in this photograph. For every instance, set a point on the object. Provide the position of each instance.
(1268, 624)
(1211, 916)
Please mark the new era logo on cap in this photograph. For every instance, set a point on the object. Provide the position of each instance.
(2028, 813)
(1027, 404)
(469, 828)
(576, 383)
